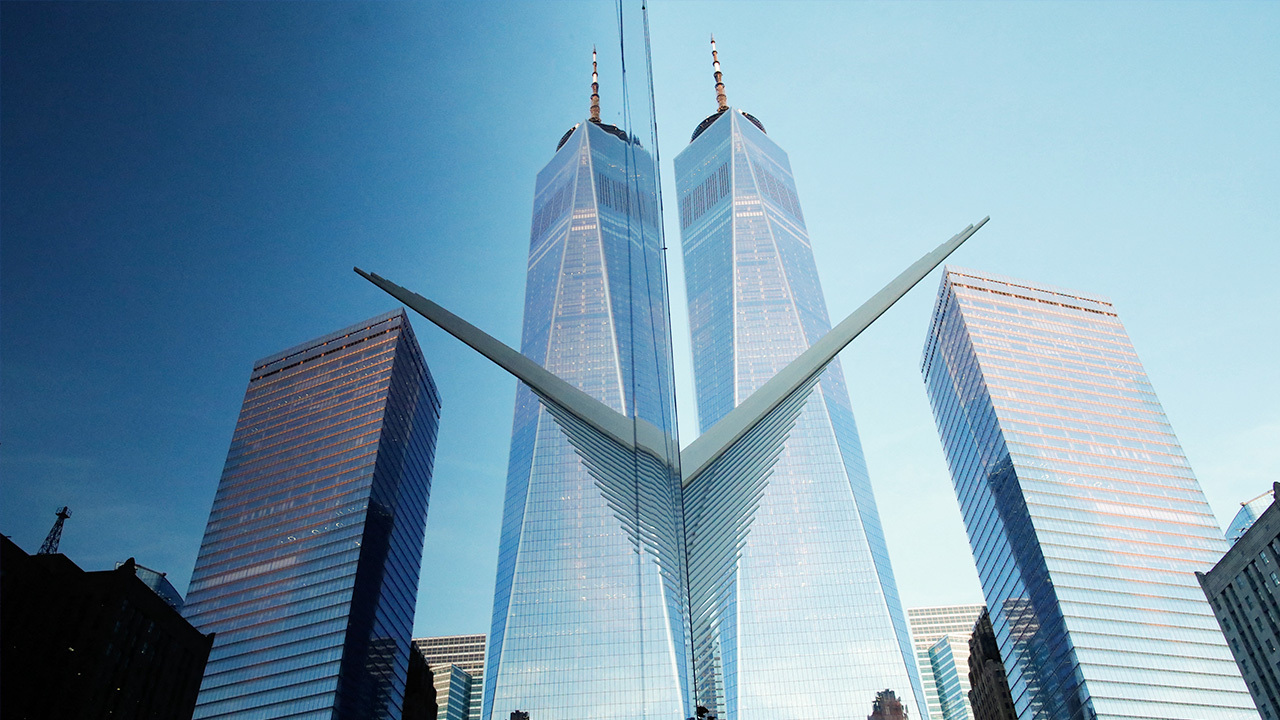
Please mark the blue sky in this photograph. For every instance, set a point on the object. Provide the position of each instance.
(185, 187)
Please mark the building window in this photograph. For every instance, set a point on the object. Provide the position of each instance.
(1265, 561)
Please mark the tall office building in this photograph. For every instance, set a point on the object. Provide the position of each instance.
(590, 607)
(467, 653)
(928, 625)
(949, 665)
(308, 572)
(1085, 519)
(794, 601)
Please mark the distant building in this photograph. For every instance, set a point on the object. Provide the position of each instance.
(887, 706)
(90, 645)
(1243, 589)
(453, 691)
(989, 697)
(467, 653)
(309, 566)
(1085, 519)
(949, 661)
(1249, 512)
(159, 583)
(930, 624)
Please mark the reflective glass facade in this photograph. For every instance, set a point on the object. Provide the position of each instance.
(1248, 514)
(928, 625)
(308, 572)
(793, 598)
(590, 607)
(1086, 522)
(949, 666)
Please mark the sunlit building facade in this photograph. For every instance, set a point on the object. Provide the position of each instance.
(308, 571)
(1086, 522)
(928, 625)
(794, 602)
(590, 607)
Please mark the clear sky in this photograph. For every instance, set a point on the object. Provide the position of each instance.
(184, 189)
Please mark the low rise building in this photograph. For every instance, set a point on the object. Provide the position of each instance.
(1242, 588)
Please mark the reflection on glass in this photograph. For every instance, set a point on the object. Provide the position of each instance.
(590, 609)
(794, 602)
(1086, 522)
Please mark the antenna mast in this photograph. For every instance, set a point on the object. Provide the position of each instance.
(50, 545)
(721, 100)
(595, 89)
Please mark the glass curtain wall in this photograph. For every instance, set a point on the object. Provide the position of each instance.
(804, 612)
(308, 571)
(590, 610)
(1086, 522)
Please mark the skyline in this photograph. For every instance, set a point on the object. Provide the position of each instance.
(160, 205)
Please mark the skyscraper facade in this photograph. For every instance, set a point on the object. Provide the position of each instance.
(1085, 519)
(308, 571)
(794, 603)
(928, 625)
(590, 608)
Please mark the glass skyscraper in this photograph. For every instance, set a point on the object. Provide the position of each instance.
(1086, 522)
(590, 608)
(930, 624)
(949, 668)
(308, 571)
(795, 607)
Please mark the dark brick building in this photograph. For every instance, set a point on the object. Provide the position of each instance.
(83, 645)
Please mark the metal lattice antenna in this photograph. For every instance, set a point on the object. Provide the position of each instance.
(50, 545)
(715, 63)
(595, 88)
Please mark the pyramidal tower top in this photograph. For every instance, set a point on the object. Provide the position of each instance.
(721, 100)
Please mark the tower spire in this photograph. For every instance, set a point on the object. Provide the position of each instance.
(595, 88)
(51, 541)
(715, 63)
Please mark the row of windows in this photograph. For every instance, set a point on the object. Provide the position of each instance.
(695, 203)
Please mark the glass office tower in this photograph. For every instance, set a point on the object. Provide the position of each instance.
(949, 668)
(590, 609)
(930, 624)
(1086, 522)
(308, 571)
(795, 608)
